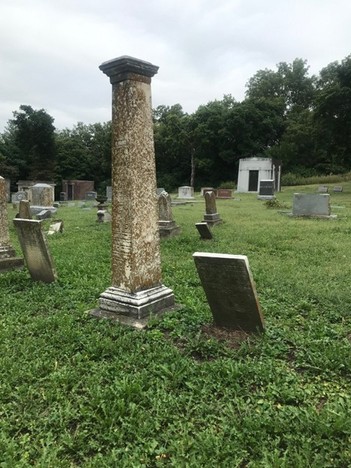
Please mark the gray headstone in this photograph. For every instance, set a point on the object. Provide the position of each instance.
(186, 192)
(35, 250)
(311, 204)
(266, 188)
(44, 214)
(323, 189)
(24, 210)
(211, 216)
(204, 231)
(337, 188)
(109, 193)
(159, 190)
(18, 196)
(90, 195)
(230, 291)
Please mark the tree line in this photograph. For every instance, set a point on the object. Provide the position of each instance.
(302, 120)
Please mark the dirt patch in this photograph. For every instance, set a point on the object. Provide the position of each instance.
(232, 338)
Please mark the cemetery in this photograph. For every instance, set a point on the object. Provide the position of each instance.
(225, 342)
(183, 389)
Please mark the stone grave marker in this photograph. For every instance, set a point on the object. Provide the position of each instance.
(323, 189)
(137, 291)
(211, 216)
(44, 214)
(166, 224)
(230, 291)
(186, 192)
(43, 197)
(57, 226)
(8, 259)
(109, 193)
(203, 190)
(24, 210)
(90, 195)
(224, 193)
(311, 205)
(266, 190)
(204, 231)
(35, 250)
(159, 190)
(337, 188)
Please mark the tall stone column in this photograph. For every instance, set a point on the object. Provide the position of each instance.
(137, 290)
(8, 259)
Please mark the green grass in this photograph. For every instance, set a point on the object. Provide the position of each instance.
(76, 391)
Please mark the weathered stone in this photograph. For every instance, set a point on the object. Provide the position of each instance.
(323, 189)
(204, 231)
(35, 250)
(230, 291)
(18, 196)
(224, 193)
(211, 216)
(136, 289)
(311, 204)
(337, 188)
(43, 197)
(90, 195)
(24, 210)
(186, 192)
(44, 214)
(109, 193)
(166, 223)
(203, 190)
(55, 227)
(8, 259)
(266, 190)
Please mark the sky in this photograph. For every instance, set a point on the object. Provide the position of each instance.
(50, 50)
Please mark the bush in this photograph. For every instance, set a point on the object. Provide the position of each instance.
(295, 179)
(227, 185)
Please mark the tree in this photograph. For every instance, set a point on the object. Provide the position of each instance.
(33, 136)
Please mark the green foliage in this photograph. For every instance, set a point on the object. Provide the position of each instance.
(76, 391)
(298, 179)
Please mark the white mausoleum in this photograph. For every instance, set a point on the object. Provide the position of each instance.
(253, 170)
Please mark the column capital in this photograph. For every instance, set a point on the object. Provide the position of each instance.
(126, 68)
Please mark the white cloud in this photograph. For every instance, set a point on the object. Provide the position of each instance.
(50, 50)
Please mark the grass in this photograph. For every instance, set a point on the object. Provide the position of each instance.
(76, 391)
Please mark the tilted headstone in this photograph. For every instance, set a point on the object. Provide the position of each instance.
(35, 250)
(55, 227)
(24, 210)
(204, 231)
(137, 291)
(311, 205)
(166, 223)
(211, 216)
(186, 192)
(230, 291)
(44, 214)
(8, 259)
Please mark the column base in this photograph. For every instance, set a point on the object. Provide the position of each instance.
(134, 309)
(8, 260)
(212, 219)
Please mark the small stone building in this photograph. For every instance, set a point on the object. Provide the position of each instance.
(253, 170)
(76, 189)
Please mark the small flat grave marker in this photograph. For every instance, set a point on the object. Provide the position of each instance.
(323, 189)
(204, 231)
(230, 291)
(337, 188)
(35, 250)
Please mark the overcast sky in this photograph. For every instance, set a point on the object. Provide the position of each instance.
(50, 50)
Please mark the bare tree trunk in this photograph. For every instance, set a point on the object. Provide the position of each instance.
(192, 165)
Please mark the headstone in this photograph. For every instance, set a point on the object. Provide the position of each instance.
(18, 196)
(224, 193)
(8, 259)
(230, 291)
(24, 210)
(204, 231)
(337, 188)
(211, 216)
(266, 190)
(103, 216)
(35, 250)
(109, 193)
(137, 291)
(311, 205)
(43, 197)
(90, 195)
(44, 214)
(57, 226)
(323, 189)
(186, 192)
(159, 190)
(166, 223)
(63, 196)
(203, 190)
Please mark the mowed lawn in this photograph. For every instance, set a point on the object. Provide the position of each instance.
(77, 391)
